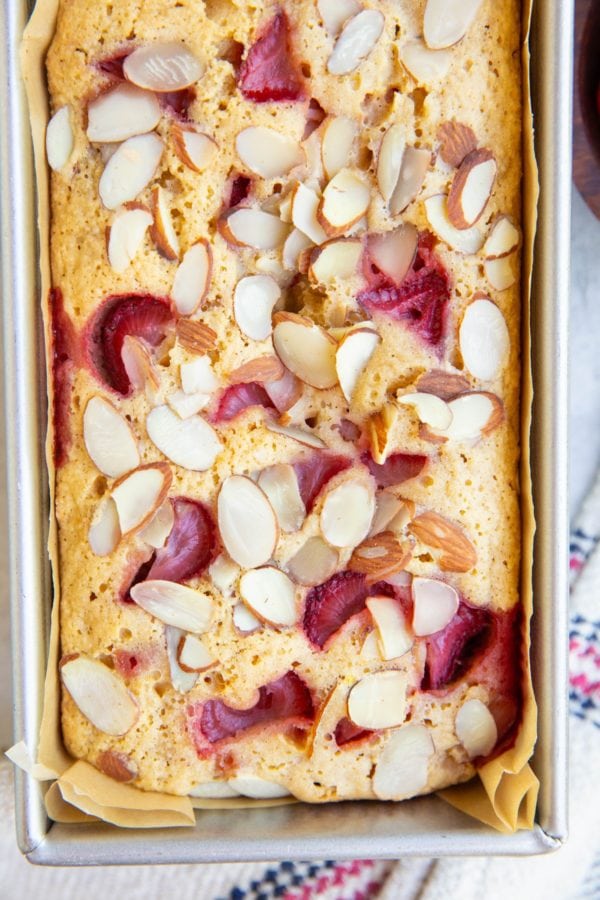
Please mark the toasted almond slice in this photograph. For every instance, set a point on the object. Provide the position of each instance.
(305, 205)
(118, 766)
(445, 385)
(126, 234)
(352, 357)
(500, 272)
(394, 252)
(224, 573)
(175, 604)
(457, 141)
(305, 349)
(356, 41)
(484, 340)
(266, 152)
(313, 563)
(347, 514)
(193, 656)
(247, 522)
(139, 494)
(387, 506)
(446, 22)
(379, 431)
(183, 682)
(190, 443)
(257, 788)
(474, 414)
(198, 375)
(195, 149)
(139, 365)
(280, 484)
(105, 531)
(393, 633)
(471, 188)
(186, 405)
(261, 369)
(468, 240)
(254, 228)
(253, 302)
(389, 161)
(108, 438)
(344, 202)
(337, 259)
(458, 553)
(192, 278)
(335, 12)
(430, 409)
(130, 169)
(476, 728)
(415, 163)
(402, 770)
(295, 244)
(435, 605)
(244, 620)
(339, 135)
(378, 700)
(163, 67)
(59, 139)
(426, 66)
(163, 233)
(285, 392)
(270, 595)
(213, 790)
(195, 337)
(380, 556)
(159, 527)
(399, 525)
(122, 113)
(503, 239)
(302, 435)
(100, 695)
(370, 649)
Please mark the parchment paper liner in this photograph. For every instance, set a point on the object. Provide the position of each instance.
(505, 792)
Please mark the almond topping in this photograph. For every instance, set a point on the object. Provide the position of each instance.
(270, 595)
(105, 531)
(446, 22)
(378, 700)
(335, 259)
(430, 409)
(379, 432)
(426, 66)
(305, 205)
(335, 12)
(195, 149)
(357, 40)
(484, 340)
(415, 163)
(139, 494)
(394, 252)
(339, 135)
(267, 152)
(130, 169)
(100, 695)
(247, 522)
(224, 573)
(258, 788)
(244, 620)
(456, 142)
(162, 67)
(500, 272)
(181, 681)
(387, 506)
(192, 278)
(280, 484)
(263, 368)
(198, 376)
(393, 634)
(402, 770)
(213, 790)
(476, 728)
(117, 766)
(347, 514)
(253, 228)
(139, 365)
(109, 439)
(295, 245)
(126, 234)
(193, 656)
(162, 232)
(59, 139)
(435, 605)
(444, 385)
(474, 414)
(380, 556)
(313, 563)
(158, 529)
(186, 405)
(190, 443)
(195, 337)
(503, 239)
(458, 553)
(253, 302)
(471, 188)
(302, 435)
(467, 241)
(344, 202)
(353, 356)
(122, 113)
(389, 160)
(175, 604)
(305, 349)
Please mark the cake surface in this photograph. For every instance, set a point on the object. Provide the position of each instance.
(285, 368)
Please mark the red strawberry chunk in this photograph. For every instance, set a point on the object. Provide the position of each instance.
(178, 102)
(64, 358)
(113, 65)
(314, 472)
(397, 468)
(239, 190)
(134, 661)
(330, 605)
(286, 698)
(452, 651)
(140, 315)
(190, 546)
(240, 397)
(346, 732)
(268, 72)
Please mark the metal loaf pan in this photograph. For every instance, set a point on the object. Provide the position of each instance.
(423, 827)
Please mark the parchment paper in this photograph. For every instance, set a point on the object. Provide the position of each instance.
(505, 792)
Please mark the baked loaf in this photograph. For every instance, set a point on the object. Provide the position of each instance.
(284, 334)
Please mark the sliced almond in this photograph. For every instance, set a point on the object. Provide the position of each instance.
(195, 337)
(380, 428)
(193, 656)
(213, 790)
(139, 494)
(500, 272)
(267, 152)
(443, 384)
(254, 228)
(224, 573)
(280, 484)
(393, 633)
(468, 240)
(117, 766)
(198, 375)
(430, 409)
(389, 161)
(139, 365)
(313, 563)
(352, 357)
(356, 41)
(484, 340)
(59, 139)
(126, 233)
(474, 414)
(192, 278)
(398, 526)
(108, 438)
(344, 202)
(445, 22)
(295, 245)
(380, 556)
(190, 443)
(261, 369)
(175, 604)
(186, 405)
(335, 12)
(195, 149)
(426, 66)
(370, 649)
(158, 529)
(270, 595)
(402, 770)
(305, 349)
(163, 233)
(456, 142)
(247, 522)
(471, 188)
(244, 619)
(122, 113)
(183, 682)
(503, 239)
(387, 506)
(130, 169)
(435, 604)
(458, 553)
(285, 392)
(339, 135)
(302, 435)
(347, 514)
(253, 301)
(415, 163)
(394, 252)
(305, 205)
(337, 259)
(100, 695)
(257, 788)
(105, 531)
(476, 728)
(163, 67)
(378, 700)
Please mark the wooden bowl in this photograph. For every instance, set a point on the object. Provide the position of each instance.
(586, 103)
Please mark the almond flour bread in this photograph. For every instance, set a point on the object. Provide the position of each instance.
(285, 386)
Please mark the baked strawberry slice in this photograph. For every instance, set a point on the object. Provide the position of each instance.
(65, 354)
(397, 468)
(239, 188)
(452, 651)
(135, 661)
(330, 605)
(190, 546)
(315, 471)
(346, 732)
(284, 699)
(239, 397)
(269, 73)
(113, 65)
(178, 102)
(140, 315)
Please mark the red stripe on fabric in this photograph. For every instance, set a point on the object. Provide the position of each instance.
(338, 877)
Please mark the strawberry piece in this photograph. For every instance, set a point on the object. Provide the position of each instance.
(268, 72)
(286, 698)
(135, 661)
(64, 357)
(397, 468)
(142, 316)
(239, 190)
(178, 102)
(421, 300)
(113, 65)
(330, 605)
(346, 732)
(239, 397)
(452, 651)
(190, 546)
(314, 472)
